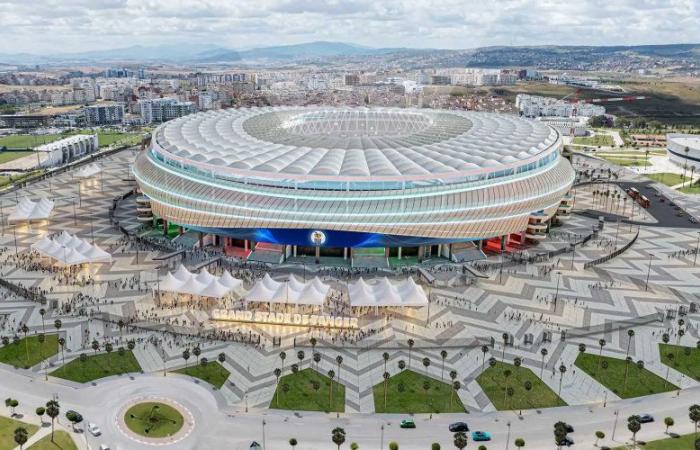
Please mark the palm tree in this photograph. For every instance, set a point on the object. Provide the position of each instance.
(57, 324)
(25, 330)
(528, 387)
(313, 344)
(520, 442)
(668, 421)
(331, 375)
(338, 436)
(277, 373)
(385, 357)
(196, 351)
(21, 436)
(517, 362)
(630, 335)
(598, 436)
(505, 342)
(186, 356)
(317, 359)
(634, 426)
(42, 313)
(426, 364)
(601, 342)
(53, 409)
(543, 352)
(562, 371)
(221, 358)
(62, 343)
(295, 368)
(628, 360)
(300, 357)
(694, 415)
(484, 350)
(108, 349)
(506, 374)
(443, 355)
(95, 345)
(40, 411)
(339, 360)
(283, 356)
(41, 338)
(293, 443)
(386, 383)
(426, 388)
(402, 364)
(455, 387)
(460, 440)
(410, 347)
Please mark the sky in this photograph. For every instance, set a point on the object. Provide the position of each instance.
(43, 26)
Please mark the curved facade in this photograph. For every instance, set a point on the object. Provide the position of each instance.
(677, 144)
(353, 177)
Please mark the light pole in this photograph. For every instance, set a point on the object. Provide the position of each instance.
(556, 292)
(646, 285)
(573, 254)
(381, 442)
(697, 248)
(508, 438)
(617, 414)
(263, 433)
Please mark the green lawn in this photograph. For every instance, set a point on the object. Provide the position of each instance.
(7, 432)
(61, 441)
(685, 442)
(494, 384)
(694, 189)
(413, 398)
(213, 373)
(28, 352)
(98, 366)
(302, 396)
(685, 359)
(8, 156)
(633, 161)
(669, 179)
(598, 139)
(639, 382)
(153, 419)
(105, 138)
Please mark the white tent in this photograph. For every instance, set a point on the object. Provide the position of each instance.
(27, 210)
(229, 281)
(293, 291)
(88, 171)
(203, 284)
(71, 250)
(386, 293)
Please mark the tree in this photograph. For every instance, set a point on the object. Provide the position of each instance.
(331, 375)
(186, 356)
(520, 442)
(386, 384)
(21, 436)
(634, 426)
(221, 358)
(559, 433)
(393, 445)
(630, 335)
(505, 342)
(196, 352)
(300, 357)
(385, 357)
(52, 410)
(411, 343)
(109, 348)
(25, 330)
(460, 440)
(562, 371)
(426, 364)
(402, 364)
(543, 352)
(339, 360)
(435, 446)
(528, 387)
(317, 359)
(12, 404)
(295, 368)
(668, 421)
(62, 343)
(455, 387)
(283, 356)
(354, 446)
(601, 343)
(338, 436)
(42, 313)
(426, 388)
(74, 418)
(484, 350)
(277, 373)
(598, 436)
(313, 342)
(293, 443)
(95, 345)
(443, 355)
(694, 415)
(40, 411)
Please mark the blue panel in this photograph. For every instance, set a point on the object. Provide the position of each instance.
(324, 238)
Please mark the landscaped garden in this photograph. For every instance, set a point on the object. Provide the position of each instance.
(29, 351)
(686, 360)
(211, 372)
(412, 392)
(596, 140)
(510, 387)
(61, 441)
(308, 390)
(104, 137)
(92, 367)
(153, 419)
(685, 442)
(7, 432)
(8, 156)
(610, 372)
(667, 178)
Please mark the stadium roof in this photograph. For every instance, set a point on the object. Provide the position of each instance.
(354, 143)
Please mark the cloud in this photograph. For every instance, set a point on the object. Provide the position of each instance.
(77, 25)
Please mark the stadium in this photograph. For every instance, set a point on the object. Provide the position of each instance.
(339, 181)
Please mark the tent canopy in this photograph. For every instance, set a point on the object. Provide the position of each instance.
(203, 284)
(28, 210)
(71, 250)
(386, 293)
(292, 291)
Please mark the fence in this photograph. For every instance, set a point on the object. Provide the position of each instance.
(612, 255)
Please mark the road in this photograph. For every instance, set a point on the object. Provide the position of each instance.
(216, 429)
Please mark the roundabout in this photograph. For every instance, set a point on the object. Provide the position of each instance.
(155, 421)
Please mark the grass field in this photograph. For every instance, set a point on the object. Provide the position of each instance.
(494, 384)
(694, 189)
(8, 156)
(598, 139)
(98, 366)
(685, 442)
(685, 359)
(153, 419)
(413, 398)
(7, 180)
(61, 441)
(16, 354)
(213, 373)
(7, 432)
(669, 179)
(639, 382)
(104, 137)
(302, 396)
(626, 161)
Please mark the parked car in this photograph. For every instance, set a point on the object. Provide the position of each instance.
(104, 447)
(646, 418)
(94, 429)
(481, 436)
(459, 427)
(407, 423)
(566, 442)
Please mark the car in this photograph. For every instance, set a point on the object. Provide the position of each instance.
(481, 436)
(104, 447)
(94, 429)
(566, 442)
(646, 418)
(459, 426)
(407, 423)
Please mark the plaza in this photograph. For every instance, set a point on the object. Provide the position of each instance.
(555, 294)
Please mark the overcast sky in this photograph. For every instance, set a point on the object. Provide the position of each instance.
(39, 26)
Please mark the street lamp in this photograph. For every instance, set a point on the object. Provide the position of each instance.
(556, 292)
(646, 285)
(508, 438)
(697, 247)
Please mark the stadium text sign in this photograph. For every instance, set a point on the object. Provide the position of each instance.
(303, 320)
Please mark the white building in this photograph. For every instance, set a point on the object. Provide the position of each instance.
(566, 125)
(69, 149)
(684, 149)
(112, 114)
(164, 109)
(537, 106)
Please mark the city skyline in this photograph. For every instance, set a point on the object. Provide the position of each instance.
(77, 25)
